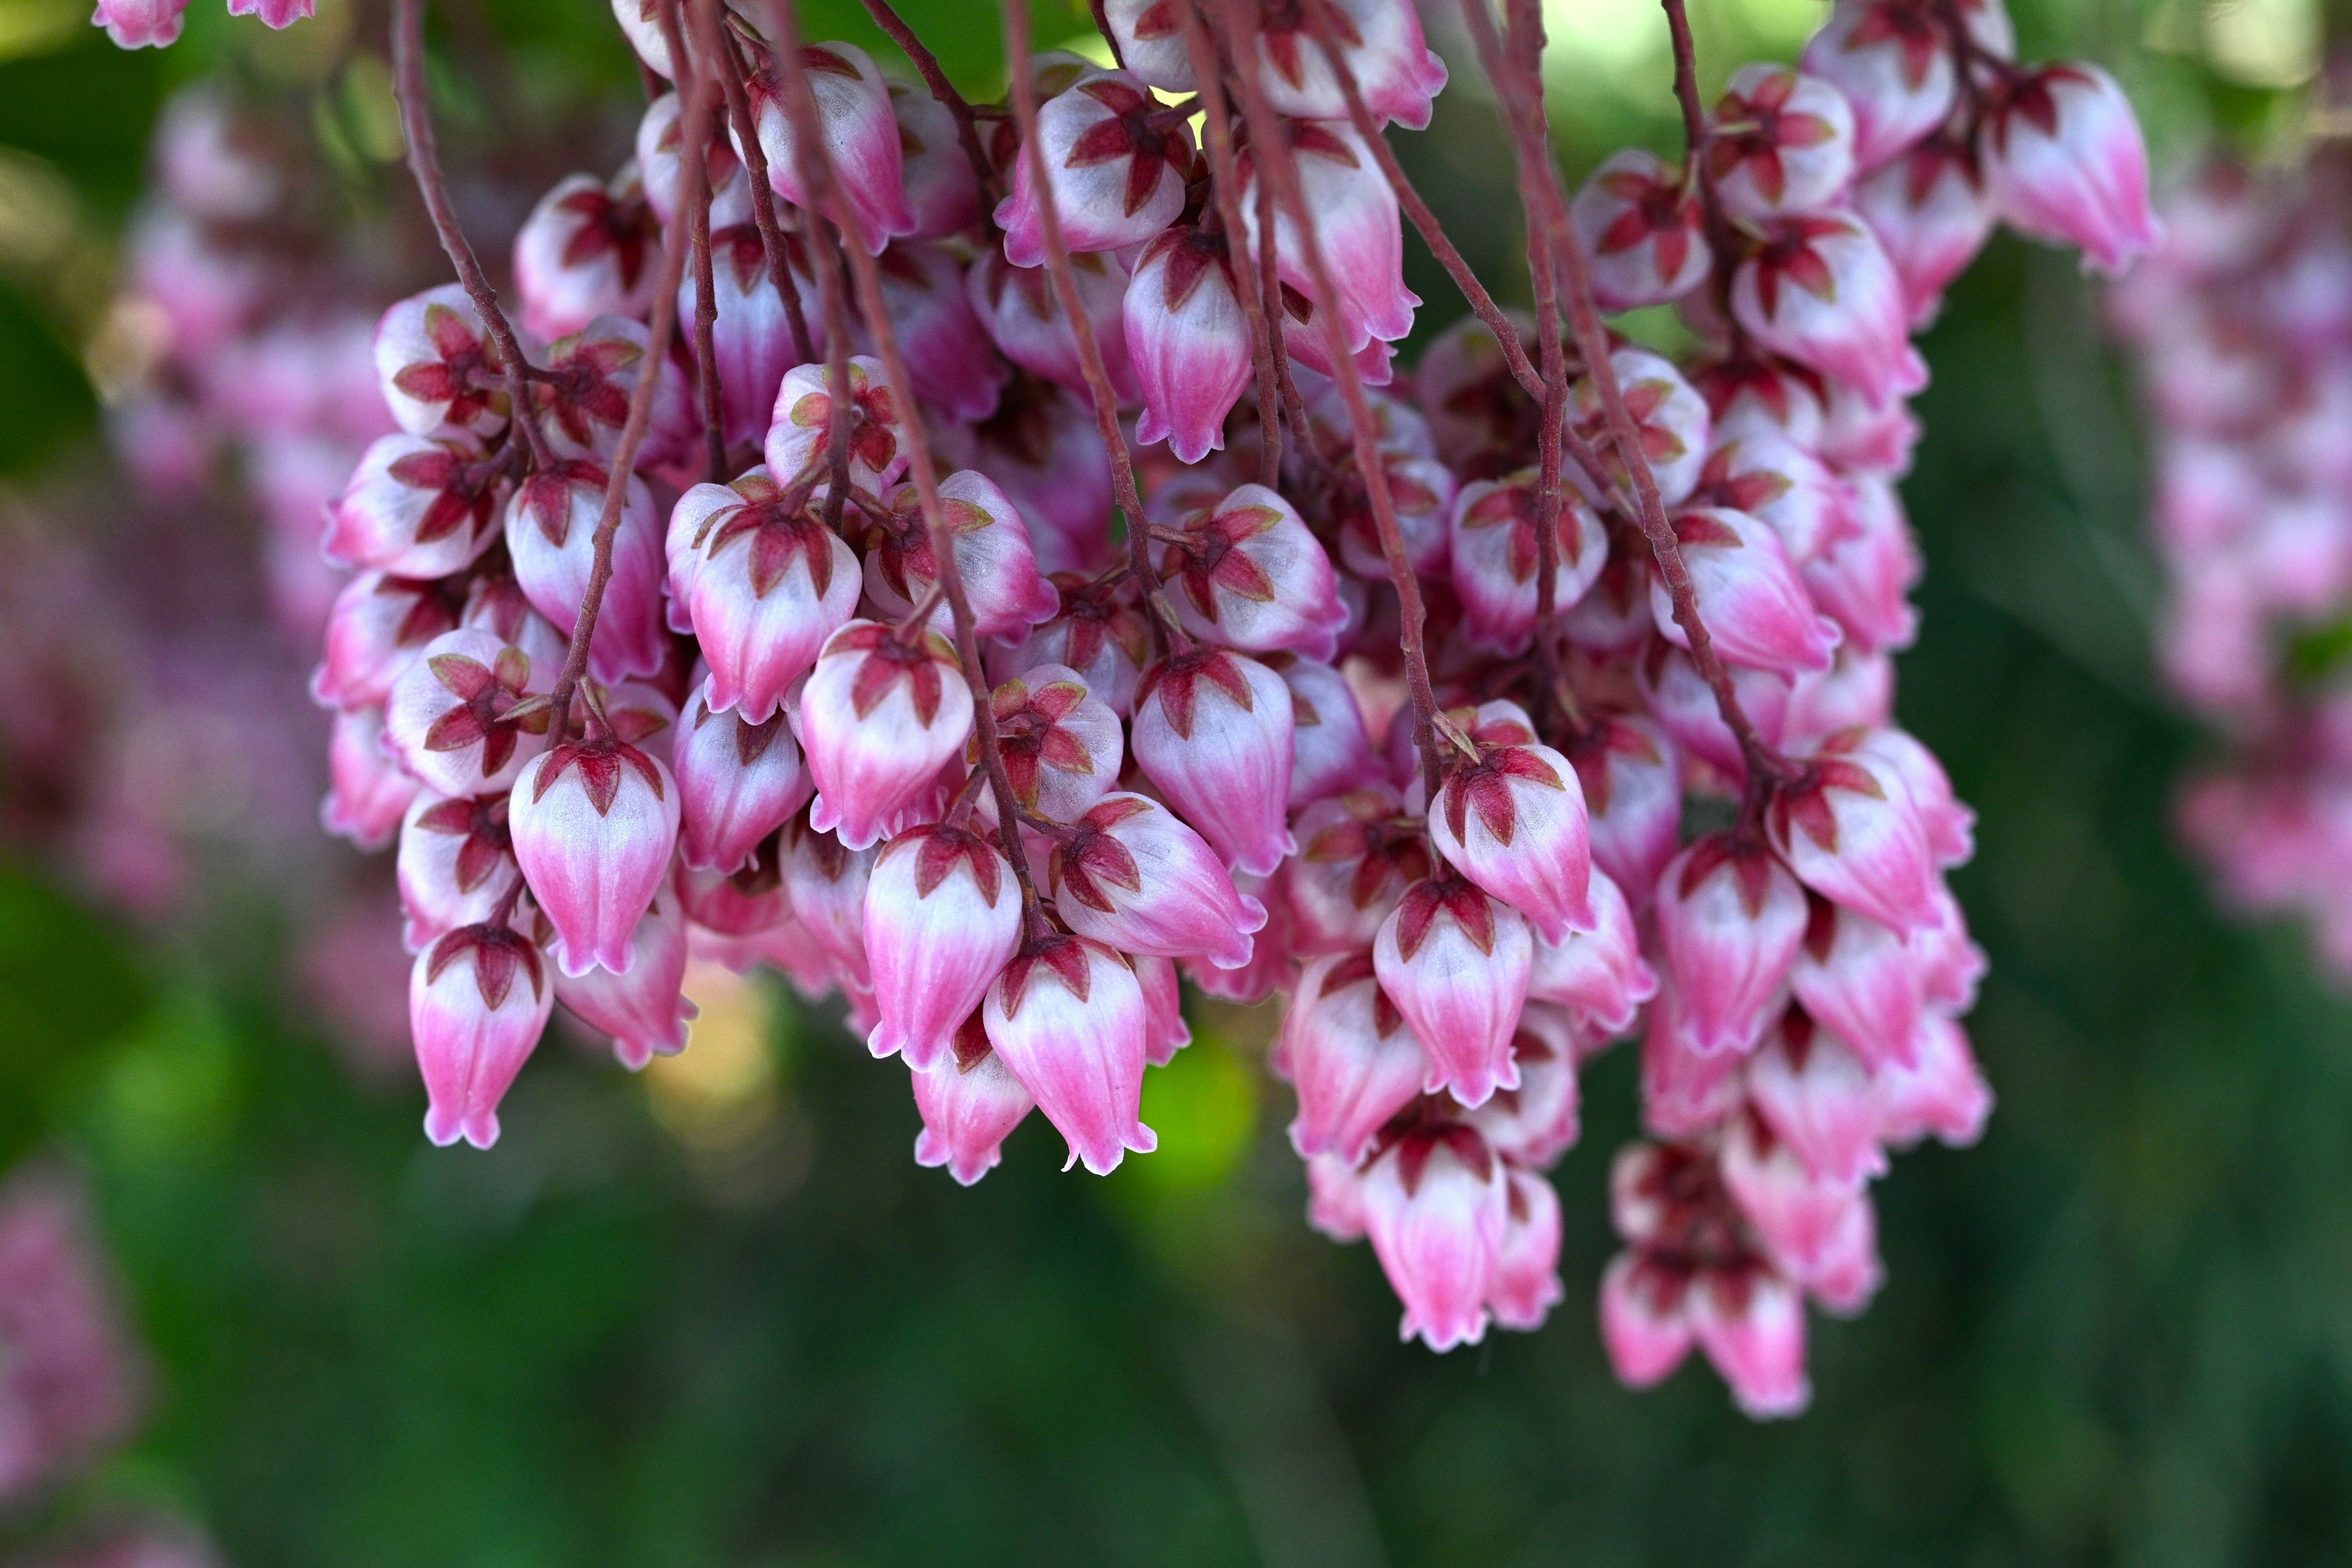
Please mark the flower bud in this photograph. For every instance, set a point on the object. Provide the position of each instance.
(1525, 1284)
(1348, 1053)
(1436, 1206)
(1493, 552)
(374, 631)
(1751, 1323)
(736, 784)
(415, 508)
(943, 192)
(477, 1001)
(766, 588)
(1598, 973)
(1214, 731)
(1861, 979)
(1137, 878)
(1930, 211)
(140, 24)
(803, 423)
(1069, 1018)
(551, 528)
(1022, 314)
(455, 865)
(587, 250)
(942, 918)
(1781, 143)
(2063, 160)
(993, 550)
(593, 823)
(1641, 223)
(880, 716)
(970, 1102)
(1943, 1093)
(1188, 340)
(751, 337)
(1248, 575)
(1116, 160)
(860, 135)
(826, 884)
(368, 789)
(1730, 918)
(1358, 230)
(1818, 1098)
(1750, 598)
(1455, 962)
(1511, 818)
(1822, 291)
(643, 1008)
(1536, 1123)
(1667, 411)
(1849, 831)
(1358, 854)
(440, 371)
(1893, 61)
(447, 719)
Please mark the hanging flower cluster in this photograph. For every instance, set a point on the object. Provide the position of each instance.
(783, 584)
(2242, 323)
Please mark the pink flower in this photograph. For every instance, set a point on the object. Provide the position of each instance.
(1396, 74)
(456, 864)
(1944, 1094)
(1334, 1201)
(750, 338)
(826, 884)
(970, 1102)
(440, 372)
(1135, 878)
(1329, 752)
(1645, 1323)
(1751, 1323)
(1849, 831)
(1750, 599)
(1350, 1056)
(642, 1008)
(1510, 816)
(369, 790)
(477, 1001)
(942, 918)
(943, 192)
(1600, 974)
(1950, 826)
(1818, 1098)
(1667, 411)
(1781, 143)
(1022, 314)
(1249, 575)
(1634, 801)
(950, 358)
(587, 251)
(551, 530)
(1165, 1032)
(1640, 223)
(2064, 160)
(765, 588)
(736, 784)
(859, 130)
(1358, 854)
(1188, 340)
(374, 631)
(593, 823)
(1116, 160)
(993, 550)
(661, 160)
(1770, 477)
(584, 400)
(1863, 579)
(1435, 1206)
(1214, 731)
(1930, 211)
(804, 419)
(1893, 61)
(448, 718)
(1685, 1092)
(881, 714)
(1535, 1123)
(1493, 552)
(1525, 1283)
(1862, 981)
(1822, 291)
(415, 508)
(274, 13)
(1455, 962)
(1730, 918)
(140, 24)
(1799, 1216)
(1358, 229)
(1069, 1018)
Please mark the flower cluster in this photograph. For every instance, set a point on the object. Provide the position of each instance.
(154, 24)
(2243, 323)
(985, 560)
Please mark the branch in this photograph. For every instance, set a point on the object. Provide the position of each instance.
(956, 104)
(425, 163)
(1722, 238)
(715, 46)
(706, 309)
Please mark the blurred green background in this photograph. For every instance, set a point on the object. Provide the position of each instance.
(716, 1315)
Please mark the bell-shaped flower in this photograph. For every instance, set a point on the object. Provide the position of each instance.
(1668, 413)
(583, 401)
(1135, 878)
(1943, 1093)
(661, 160)
(1397, 73)
(1335, 1198)
(1510, 816)
(1931, 212)
(643, 1008)
(1435, 1206)
(2064, 161)
(1357, 228)
(742, 902)
(881, 714)
(1213, 732)
(1855, 692)
(1350, 1056)
(1685, 1092)
(140, 24)
(1818, 1098)
(1893, 61)
(803, 424)
(1330, 753)
(1751, 1323)
(1022, 315)
(1068, 1016)
(375, 630)
(455, 865)
(587, 249)
(1061, 745)
(551, 530)
(1455, 962)
(970, 1102)
(736, 784)
(1249, 575)
(1685, 706)
(827, 885)
(1848, 830)
(1495, 555)
(1748, 393)
(942, 918)
(1526, 1285)
(766, 586)
(949, 357)
(750, 336)
(1862, 982)
(450, 717)
(1116, 160)
(1729, 920)
(1772, 480)
(415, 508)
(1632, 781)
(1640, 222)
(1600, 974)
(594, 822)
(479, 999)
(440, 369)
(1859, 437)
(993, 554)
(1100, 634)
(860, 134)
(1780, 141)
(1950, 826)
(1358, 853)
(1797, 1214)
(1165, 1032)
(369, 790)
(1644, 1317)
(1820, 290)
(1750, 599)
(1534, 1124)
(943, 190)
(1187, 340)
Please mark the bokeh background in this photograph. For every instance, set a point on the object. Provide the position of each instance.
(715, 1314)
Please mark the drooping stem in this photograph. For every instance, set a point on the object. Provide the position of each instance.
(1521, 95)
(1269, 278)
(1540, 268)
(1723, 240)
(424, 164)
(1224, 179)
(694, 92)
(1278, 173)
(927, 65)
(1082, 327)
(827, 199)
(706, 303)
(711, 36)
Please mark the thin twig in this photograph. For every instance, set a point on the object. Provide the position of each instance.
(826, 196)
(425, 163)
(1722, 238)
(928, 64)
(1278, 172)
(1541, 267)
(709, 32)
(694, 129)
(706, 304)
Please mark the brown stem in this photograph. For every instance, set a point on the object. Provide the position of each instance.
(1521, 95)
(705, 305)
(1723, 240)
(708, 32)
(928, 64)
(694, 129)
(826, 196)
(1541, 269)
(1278, 172)
(425, 163)
(1082, 328)
(1102, 26)
(1224, 180)
(1269, 278)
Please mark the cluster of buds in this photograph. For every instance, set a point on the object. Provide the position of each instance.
(785, 586)
(2243, 324)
